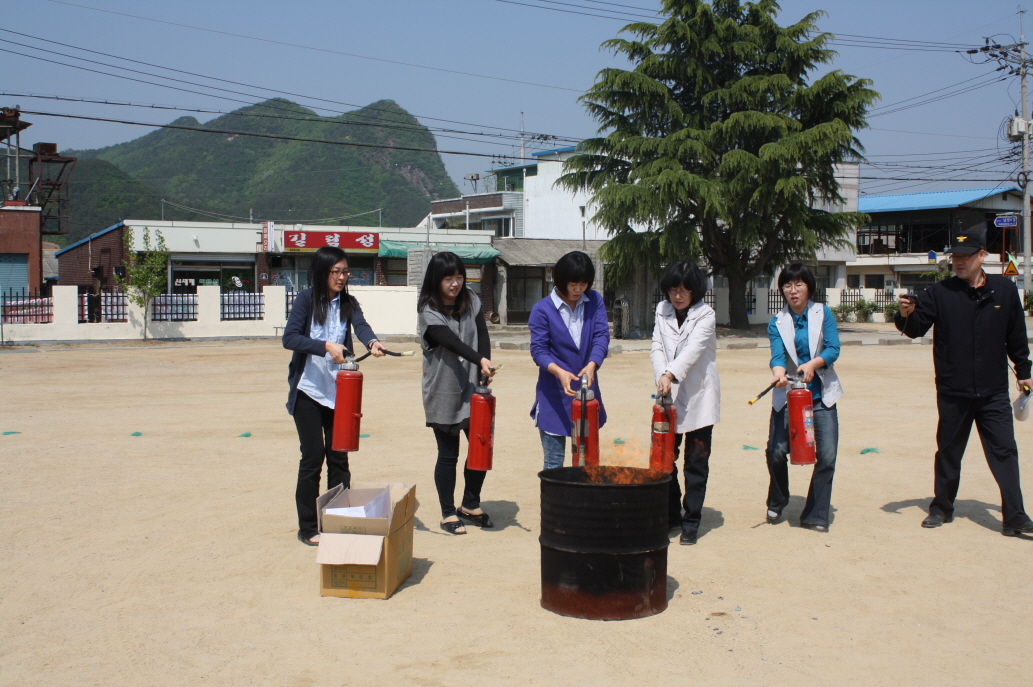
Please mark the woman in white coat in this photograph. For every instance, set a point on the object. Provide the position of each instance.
(684, 357)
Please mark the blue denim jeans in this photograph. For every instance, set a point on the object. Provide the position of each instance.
(555, 449)
(826, 441)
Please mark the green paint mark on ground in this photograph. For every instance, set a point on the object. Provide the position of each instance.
(364, 436)
(869, 450)
(6, 433)
(618, 442)
(245, 434)
(749, 448)
(136, 434)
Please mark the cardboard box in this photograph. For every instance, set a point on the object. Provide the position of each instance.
(365, 558)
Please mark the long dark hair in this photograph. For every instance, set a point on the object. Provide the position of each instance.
(318, 278)
(443, 265)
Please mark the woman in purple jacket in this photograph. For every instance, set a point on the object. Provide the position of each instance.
(569, 338)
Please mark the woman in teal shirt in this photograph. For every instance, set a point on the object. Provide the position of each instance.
(804, 340)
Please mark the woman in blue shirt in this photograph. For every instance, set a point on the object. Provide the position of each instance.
(570, 338)
(318, 333)
(804, 340)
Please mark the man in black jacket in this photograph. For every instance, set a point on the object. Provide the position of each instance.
(979, 325)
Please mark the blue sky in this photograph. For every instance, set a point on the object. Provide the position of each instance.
(557, 52)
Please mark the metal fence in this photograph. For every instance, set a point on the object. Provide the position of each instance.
(882, 299)
(710, 299)
(25, 306)
(110, 305)
(776, 301)
(237, 305)
(289, 302)
(850, 296)
(174, 307)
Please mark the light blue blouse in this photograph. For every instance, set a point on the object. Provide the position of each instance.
(319, 380)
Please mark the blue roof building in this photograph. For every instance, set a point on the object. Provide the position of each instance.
(907, 228)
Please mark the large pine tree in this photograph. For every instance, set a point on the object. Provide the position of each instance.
(718, 144)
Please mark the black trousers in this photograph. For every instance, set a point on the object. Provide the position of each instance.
(445, 475)
(315, 423)
(696, 466)
(993, 418)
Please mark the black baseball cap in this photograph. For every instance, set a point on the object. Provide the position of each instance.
(966, 243)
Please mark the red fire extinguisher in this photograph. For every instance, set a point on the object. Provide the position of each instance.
(482, 428)
(584, 412)
(347, 408)
(661, 445)
(801, 423)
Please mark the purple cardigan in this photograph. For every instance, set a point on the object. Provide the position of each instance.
(551, 343)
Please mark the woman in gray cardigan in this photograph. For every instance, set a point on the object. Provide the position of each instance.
(456, 350)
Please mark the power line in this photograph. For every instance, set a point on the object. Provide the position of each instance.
(292, 220)
(309, 47)
(213, 78)
(318, 120)
(272, 136)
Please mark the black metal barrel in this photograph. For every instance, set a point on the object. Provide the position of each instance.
(604, 542)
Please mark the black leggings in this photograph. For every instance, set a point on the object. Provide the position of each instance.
(445, 475)
(315, 423)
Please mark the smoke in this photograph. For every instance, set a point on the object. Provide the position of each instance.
(622, 448)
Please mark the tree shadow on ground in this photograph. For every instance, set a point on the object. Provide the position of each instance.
(979, 512)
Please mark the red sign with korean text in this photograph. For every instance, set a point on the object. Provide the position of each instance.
(351, 242)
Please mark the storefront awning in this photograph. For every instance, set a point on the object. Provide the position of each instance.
(541, 251)
(471, 254)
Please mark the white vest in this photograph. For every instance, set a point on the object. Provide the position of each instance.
(830, 387)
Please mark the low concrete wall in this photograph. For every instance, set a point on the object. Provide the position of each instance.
(390, 310)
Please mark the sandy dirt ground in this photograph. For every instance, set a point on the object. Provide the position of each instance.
(170, 558)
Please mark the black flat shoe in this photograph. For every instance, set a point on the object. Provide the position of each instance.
(1009, 531)
(774, 515)
(936, 519)
(481, 520)
(454, 527)
(306, 539)
(687, 538)
(813, 526)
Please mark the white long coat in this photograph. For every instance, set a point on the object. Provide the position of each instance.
(689, 352)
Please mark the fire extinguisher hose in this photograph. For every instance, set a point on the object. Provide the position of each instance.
(386, 352)
(761, 394)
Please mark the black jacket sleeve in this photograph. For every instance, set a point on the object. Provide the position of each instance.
(925, 315)
(295, 334)
(1017, 343)
(483, 340)
(440, 335)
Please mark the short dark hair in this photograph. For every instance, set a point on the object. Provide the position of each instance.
(443, 265)
(318, 280)
(574, 267)
(684, 273)
(798, 272)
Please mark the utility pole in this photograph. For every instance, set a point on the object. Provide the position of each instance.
(521, 138)
(1018, 128)
(1025, 161)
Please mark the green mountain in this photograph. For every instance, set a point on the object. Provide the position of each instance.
(100, 194)
(266, 178)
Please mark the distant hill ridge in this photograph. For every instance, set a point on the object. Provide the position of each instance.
(281, 180)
